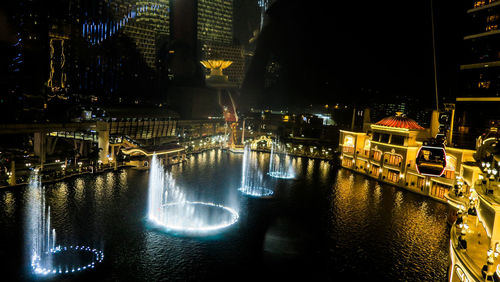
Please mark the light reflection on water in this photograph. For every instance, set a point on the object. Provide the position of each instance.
(337, 222)
(388, 228)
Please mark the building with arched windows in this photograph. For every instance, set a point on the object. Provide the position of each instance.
(388, 150)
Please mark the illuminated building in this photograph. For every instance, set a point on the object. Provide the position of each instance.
(475, 236)
(388, 150)
(113, 53)
(478, 100)
(215, 21)
(144, 22)
(215, 34)
(230, 52)
(25, 68)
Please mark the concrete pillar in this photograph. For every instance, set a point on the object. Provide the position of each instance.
(353, 118)
(434, 123)
(113, 155)
(52, 148)
(450, 134)
(366, 120)
(12, 179)
(103, 141)
(40, 144)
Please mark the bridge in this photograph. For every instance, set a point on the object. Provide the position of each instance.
(113, 135)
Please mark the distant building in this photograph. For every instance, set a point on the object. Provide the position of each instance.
(478, 100)
(203, 30)
(115, 53)
(388, 153)
(216, 37)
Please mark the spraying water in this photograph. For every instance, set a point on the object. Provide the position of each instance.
(47, 258)
(168, 207)
(252, 178)
(280, 163)
(39, 239)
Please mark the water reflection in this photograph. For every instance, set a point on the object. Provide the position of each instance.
(387, 228)
(335, 221)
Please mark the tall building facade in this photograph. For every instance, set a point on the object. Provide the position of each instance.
(215, 21)
(478, 100)
(203, 30)
(116, 54)
(216, 38)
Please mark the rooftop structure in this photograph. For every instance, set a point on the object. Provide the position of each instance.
(400, 121)
(388, 151)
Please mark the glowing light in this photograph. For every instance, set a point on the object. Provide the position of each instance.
(40, 267)
(168, 207)
(42, 240)
(256, 191)
(252, 177)
(280, 163)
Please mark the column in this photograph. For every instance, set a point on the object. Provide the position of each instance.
(103, 141)
(12, 179)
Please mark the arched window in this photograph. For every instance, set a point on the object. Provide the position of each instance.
(348, 146)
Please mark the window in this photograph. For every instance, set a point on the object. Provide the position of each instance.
(377, 155)
(479, 3)
(491, 27)
(384, 138)
(438, 190)
(484, 84)
(376, 136)
(374, 170)
(398, 140)
(366, 148)
(420, 182)
(449, 174)
(347, 162)
(392, 159)
(392, 176)
(348, 146)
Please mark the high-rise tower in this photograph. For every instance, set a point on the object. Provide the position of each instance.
(478, 100)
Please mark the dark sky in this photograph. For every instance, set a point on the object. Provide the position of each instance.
(330, 52)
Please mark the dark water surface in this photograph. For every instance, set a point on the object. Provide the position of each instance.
(329, 224)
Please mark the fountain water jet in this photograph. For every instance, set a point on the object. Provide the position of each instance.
(280, 165)
(47, 258)
(168, 207)
(252, 177)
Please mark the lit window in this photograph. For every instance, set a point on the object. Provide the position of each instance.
(484, 84)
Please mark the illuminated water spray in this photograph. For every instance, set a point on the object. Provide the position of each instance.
(168, 207)
(46, 257)
(252, 182)
(280, 163)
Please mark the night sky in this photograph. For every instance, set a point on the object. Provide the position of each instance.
(345, 52)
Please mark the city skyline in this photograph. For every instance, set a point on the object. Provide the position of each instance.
(228, 140)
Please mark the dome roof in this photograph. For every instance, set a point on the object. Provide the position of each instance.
(400, 121)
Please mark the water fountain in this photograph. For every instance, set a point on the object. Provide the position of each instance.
(169, 208)
(46, 257)
(252, 177)
(280, 163)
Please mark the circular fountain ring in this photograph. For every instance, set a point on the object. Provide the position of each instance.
(196, 218)
(66, 260)
(282, 175)
(257, 192)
